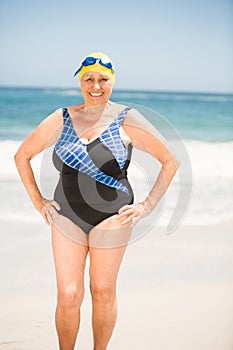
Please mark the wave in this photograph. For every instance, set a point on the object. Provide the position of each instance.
(173, 96)
(198, 97)
(210, 160)
(212, 168)
(144, 95)
(63, 92)
(131, 95)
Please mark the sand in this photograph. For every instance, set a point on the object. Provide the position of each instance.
(174, 292)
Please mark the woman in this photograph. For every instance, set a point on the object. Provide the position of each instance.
(93, 201)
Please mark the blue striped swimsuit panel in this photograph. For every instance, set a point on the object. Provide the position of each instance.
(73, 152)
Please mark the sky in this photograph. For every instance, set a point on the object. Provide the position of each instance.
(165, 45)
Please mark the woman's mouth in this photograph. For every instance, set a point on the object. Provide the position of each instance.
(96, 94)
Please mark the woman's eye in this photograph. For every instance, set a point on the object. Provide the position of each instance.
(104, 79)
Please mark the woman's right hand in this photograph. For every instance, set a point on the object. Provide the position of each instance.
(48, 209)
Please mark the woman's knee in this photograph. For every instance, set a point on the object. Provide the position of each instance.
(103, 291)
(70, 296)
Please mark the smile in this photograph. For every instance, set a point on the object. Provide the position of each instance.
(96, 94)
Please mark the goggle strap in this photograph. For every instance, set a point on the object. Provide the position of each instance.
(95, 59)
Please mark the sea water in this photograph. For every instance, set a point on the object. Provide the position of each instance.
(202, 122)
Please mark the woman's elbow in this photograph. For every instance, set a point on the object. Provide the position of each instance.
(20, 156)
(171, 165)
(17, 157)
(176, 164)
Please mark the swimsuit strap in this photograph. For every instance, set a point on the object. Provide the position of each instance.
(122, 115)
(65, 113)
(113, 127)
(111, 138)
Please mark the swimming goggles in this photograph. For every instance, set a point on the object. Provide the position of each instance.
(89, 61)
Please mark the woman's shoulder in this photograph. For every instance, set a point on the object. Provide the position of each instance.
(118, 107)
(53, 118)
(133, 112)
(74, 108)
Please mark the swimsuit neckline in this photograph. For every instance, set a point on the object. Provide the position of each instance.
(97, 138)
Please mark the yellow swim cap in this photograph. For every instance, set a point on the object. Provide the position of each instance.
(96, 62)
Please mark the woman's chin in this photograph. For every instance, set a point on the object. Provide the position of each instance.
(97, 100)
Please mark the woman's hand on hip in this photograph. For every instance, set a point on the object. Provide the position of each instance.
(48, 210)
(133, 213)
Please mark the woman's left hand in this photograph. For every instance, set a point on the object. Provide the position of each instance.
(133, 213)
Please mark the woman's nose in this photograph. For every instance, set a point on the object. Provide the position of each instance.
(96, 85)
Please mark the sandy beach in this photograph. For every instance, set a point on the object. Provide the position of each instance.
(174, 291)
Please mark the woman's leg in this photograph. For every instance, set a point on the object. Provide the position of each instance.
(104, 268)
(69, 259)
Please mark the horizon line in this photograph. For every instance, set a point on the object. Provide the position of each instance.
(119, 89)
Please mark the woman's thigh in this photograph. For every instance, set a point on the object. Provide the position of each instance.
(104, 268)
(107, 245)
(69, 259)
(109, 234)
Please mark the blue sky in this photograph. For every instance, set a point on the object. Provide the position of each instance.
(155, 45)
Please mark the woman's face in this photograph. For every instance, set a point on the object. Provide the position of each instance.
(96, 88)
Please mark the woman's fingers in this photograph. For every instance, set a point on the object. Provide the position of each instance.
(125, 207)
(49, 211)
(56, 205)
(129, 219)
(45, 216)
(130, 213)
(126, 212)
(49, 214)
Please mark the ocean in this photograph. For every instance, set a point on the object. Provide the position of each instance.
(197, 116)
(202, 122)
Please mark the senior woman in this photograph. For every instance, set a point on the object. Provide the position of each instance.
(93, 198)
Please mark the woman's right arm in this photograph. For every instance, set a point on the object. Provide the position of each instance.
(45, 135)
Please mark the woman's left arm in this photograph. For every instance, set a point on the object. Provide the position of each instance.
(146, 137)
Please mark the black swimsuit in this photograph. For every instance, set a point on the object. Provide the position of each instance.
(93, 182)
